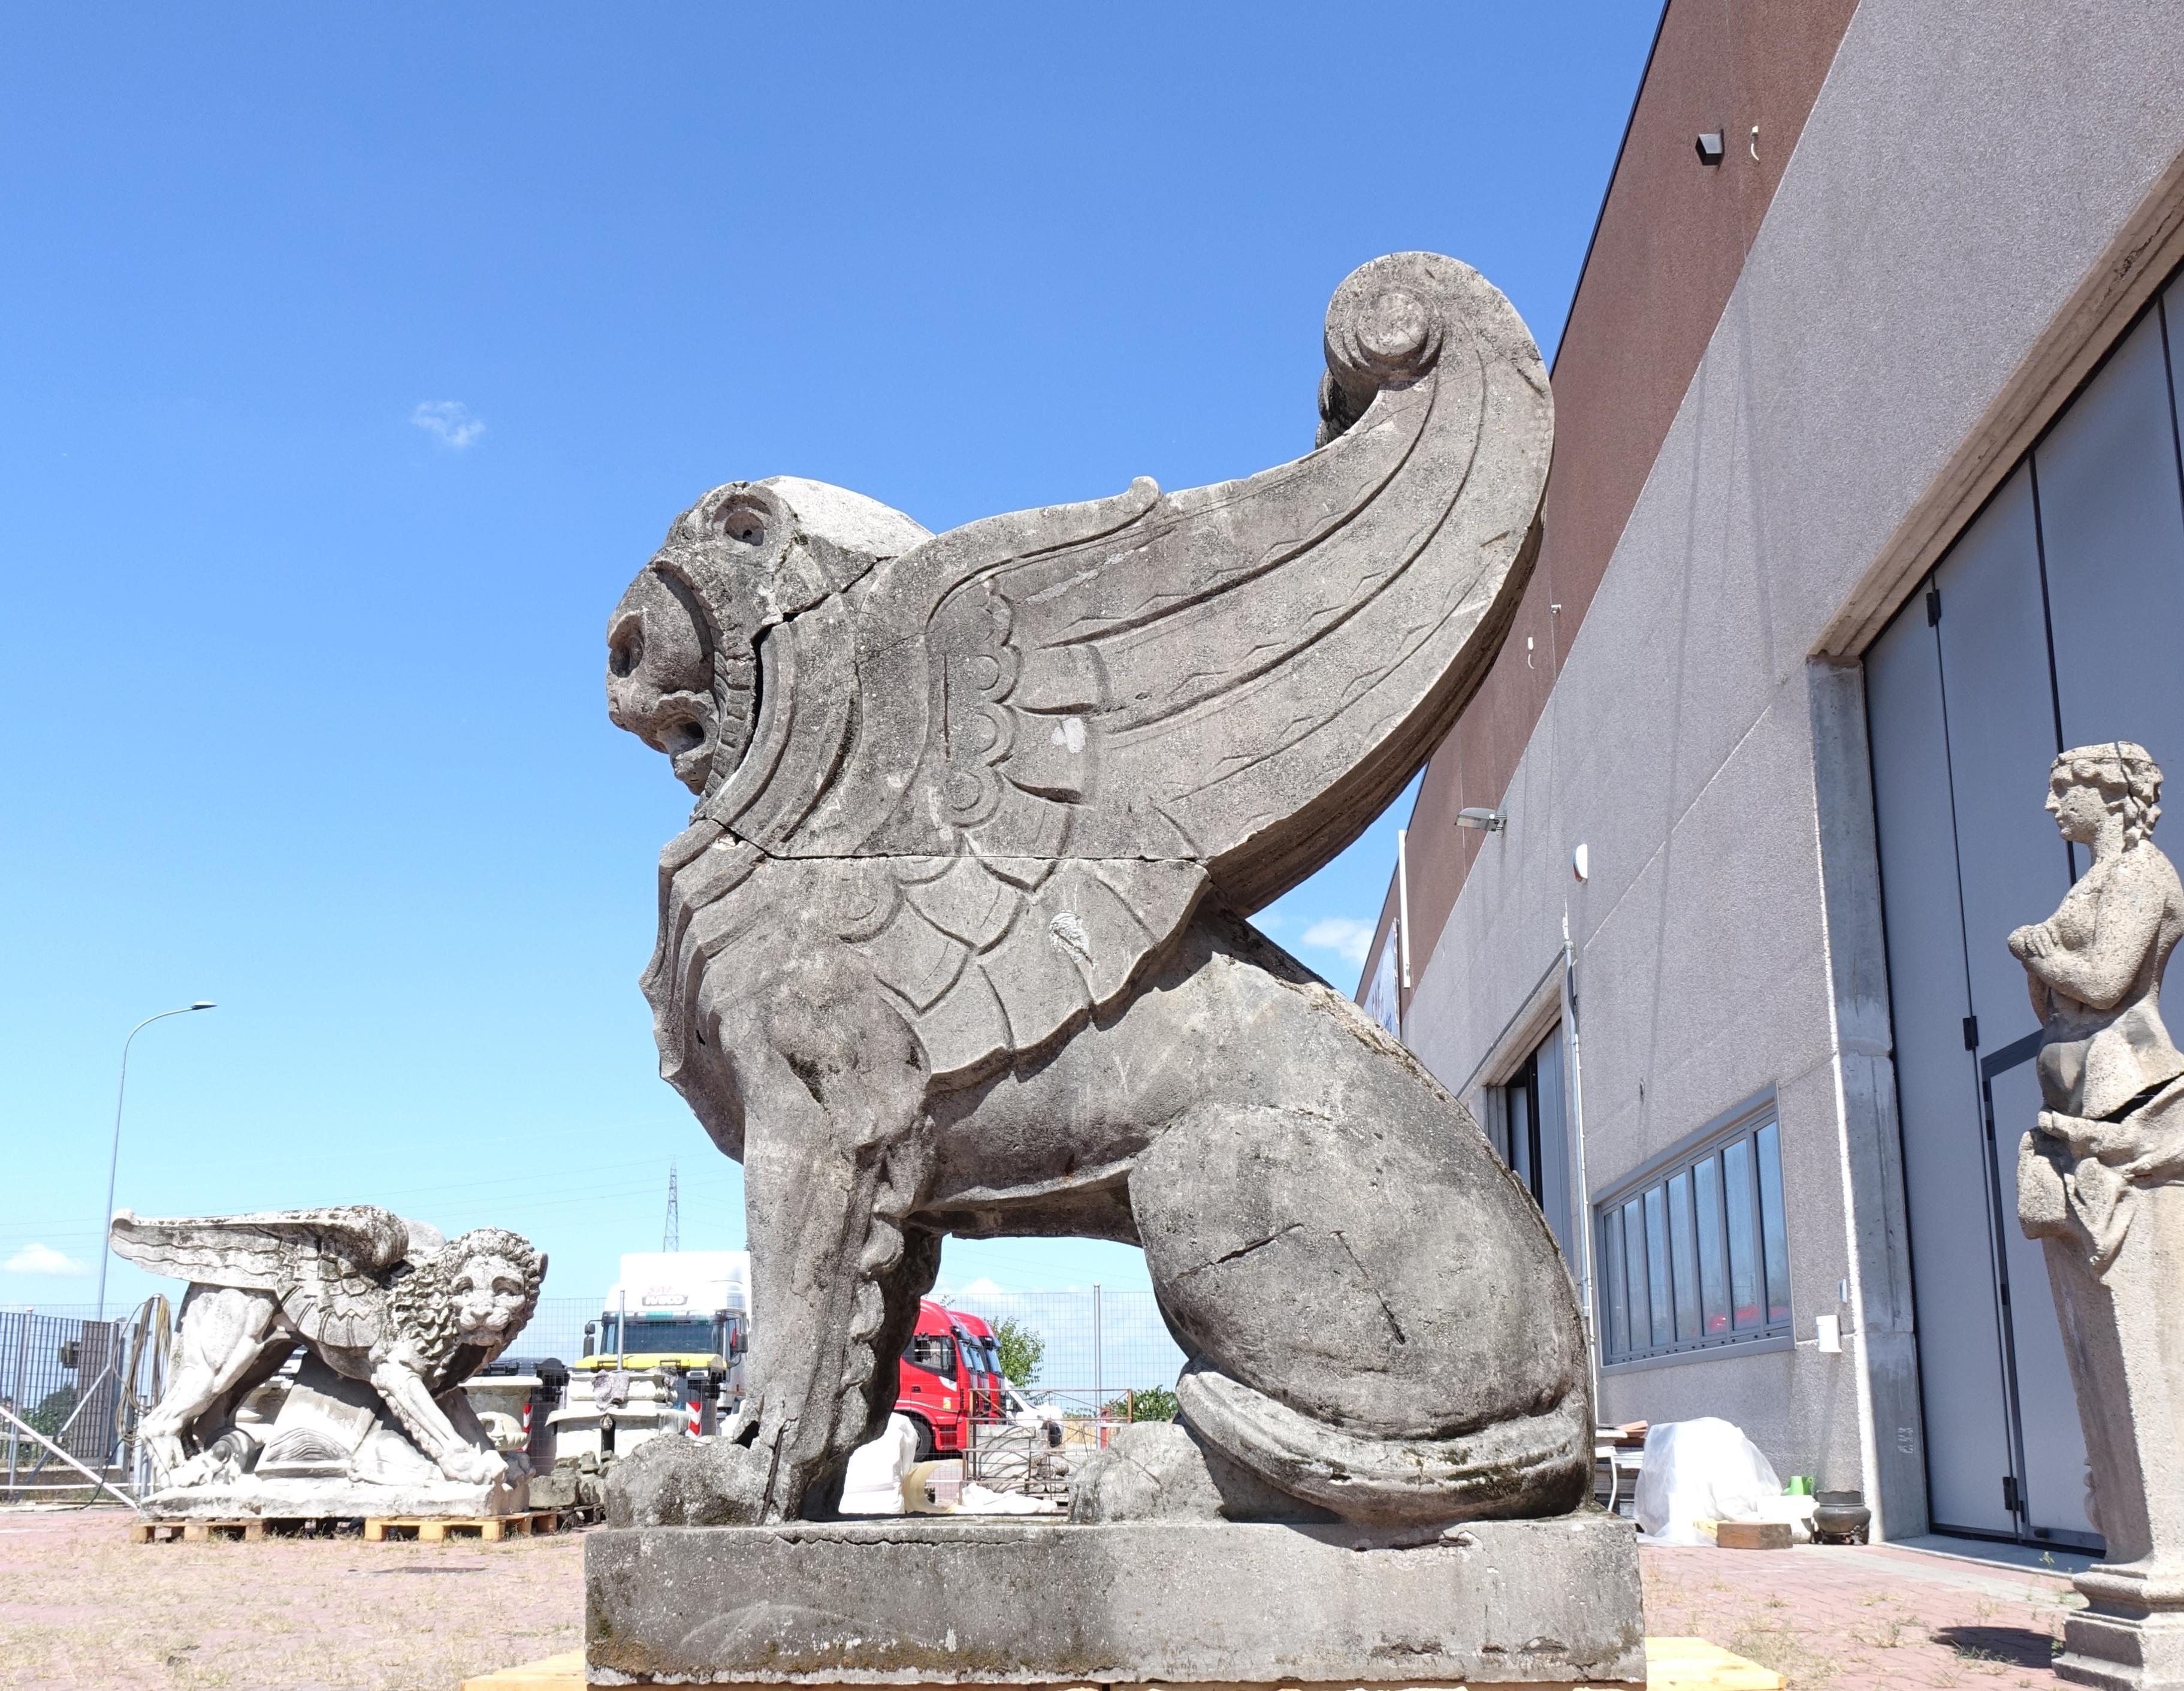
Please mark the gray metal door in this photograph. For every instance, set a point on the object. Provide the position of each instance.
(1971, 1434)
(2012, 868)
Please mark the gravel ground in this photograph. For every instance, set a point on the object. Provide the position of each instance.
(80, 1608)
(1843, 1620)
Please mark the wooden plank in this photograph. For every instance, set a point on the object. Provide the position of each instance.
(432, 1531)
(140, 1531)
(1753, 1535)
(375, 1530)
(254, 1531)
(491, 1532)
(555, 1673)
(1695, 1664)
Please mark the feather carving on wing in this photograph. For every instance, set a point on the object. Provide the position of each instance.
(330, 1268)
(1004, 763)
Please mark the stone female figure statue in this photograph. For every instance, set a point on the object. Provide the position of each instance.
(2098, 1179)
(2112, 1080)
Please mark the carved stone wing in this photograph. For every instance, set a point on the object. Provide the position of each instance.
(328, 1267)
(1007, 763)
(1245, 674)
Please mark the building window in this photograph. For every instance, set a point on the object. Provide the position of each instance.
(1529, 1124)
(1695, 1257)
(1521, 1123)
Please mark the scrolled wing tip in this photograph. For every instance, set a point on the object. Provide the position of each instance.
(1388, 321)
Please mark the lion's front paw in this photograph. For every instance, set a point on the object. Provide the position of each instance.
(473, 1467)
(686, 1483)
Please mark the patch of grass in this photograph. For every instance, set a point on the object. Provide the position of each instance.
(1781, 1646)
(1888, 1635)
(2000, 1646)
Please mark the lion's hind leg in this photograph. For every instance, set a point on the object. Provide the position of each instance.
(1380, 1323)
(228, 1341)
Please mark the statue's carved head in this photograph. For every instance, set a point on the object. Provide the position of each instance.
(478, 1289)
(2090, 783)
(685, 673)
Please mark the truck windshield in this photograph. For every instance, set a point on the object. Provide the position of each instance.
(673, 1338)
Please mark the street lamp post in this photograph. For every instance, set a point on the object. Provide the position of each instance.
(114, 1162)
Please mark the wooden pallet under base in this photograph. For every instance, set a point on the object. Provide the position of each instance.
(377, 1529)
(434, 1529)
(195, 1531)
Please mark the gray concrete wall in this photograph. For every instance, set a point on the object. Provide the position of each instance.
(1967, 165)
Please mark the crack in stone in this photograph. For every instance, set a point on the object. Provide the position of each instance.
(1402, 1338)
(1246, 1250)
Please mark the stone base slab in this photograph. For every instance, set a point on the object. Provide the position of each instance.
(945, 1600)
(325, 1499)
(2123, 1652)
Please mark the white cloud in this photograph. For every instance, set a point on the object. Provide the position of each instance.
(35, 1258)
(449, 422)
(981, 1288)
(1345, 936)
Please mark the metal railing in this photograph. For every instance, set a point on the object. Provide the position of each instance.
(76, 1387)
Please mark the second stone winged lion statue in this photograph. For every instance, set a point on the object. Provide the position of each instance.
(955, 942)
(380, 1299)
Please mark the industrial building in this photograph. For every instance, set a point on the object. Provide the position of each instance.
(1867, 500)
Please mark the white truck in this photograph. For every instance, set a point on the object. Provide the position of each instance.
(671, 1305)
(664, 1358)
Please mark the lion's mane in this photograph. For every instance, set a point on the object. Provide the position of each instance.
(423, 1302)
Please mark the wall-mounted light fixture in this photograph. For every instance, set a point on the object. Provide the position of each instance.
(1581, 862)
(1709, 147)
(1479, 817)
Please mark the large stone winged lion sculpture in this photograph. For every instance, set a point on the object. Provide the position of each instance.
(382, 1300)
(955, 942)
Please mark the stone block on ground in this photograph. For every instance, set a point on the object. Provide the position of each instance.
(248, 1498)
(948, 1601)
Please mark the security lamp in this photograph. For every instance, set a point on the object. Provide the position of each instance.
(1709, 147)
(1479, 817)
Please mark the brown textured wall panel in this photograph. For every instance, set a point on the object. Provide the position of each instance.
(1671, 242)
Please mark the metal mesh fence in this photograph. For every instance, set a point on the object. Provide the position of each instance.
(556, 1328)
(1093, 1344)
(65, 1375)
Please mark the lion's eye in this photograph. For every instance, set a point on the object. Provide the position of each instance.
(741, 523)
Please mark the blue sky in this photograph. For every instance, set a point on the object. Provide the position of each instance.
(352, 359)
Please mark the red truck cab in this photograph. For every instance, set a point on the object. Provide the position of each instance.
(950, 1380)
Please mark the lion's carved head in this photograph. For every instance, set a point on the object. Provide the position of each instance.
(476, 1291)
